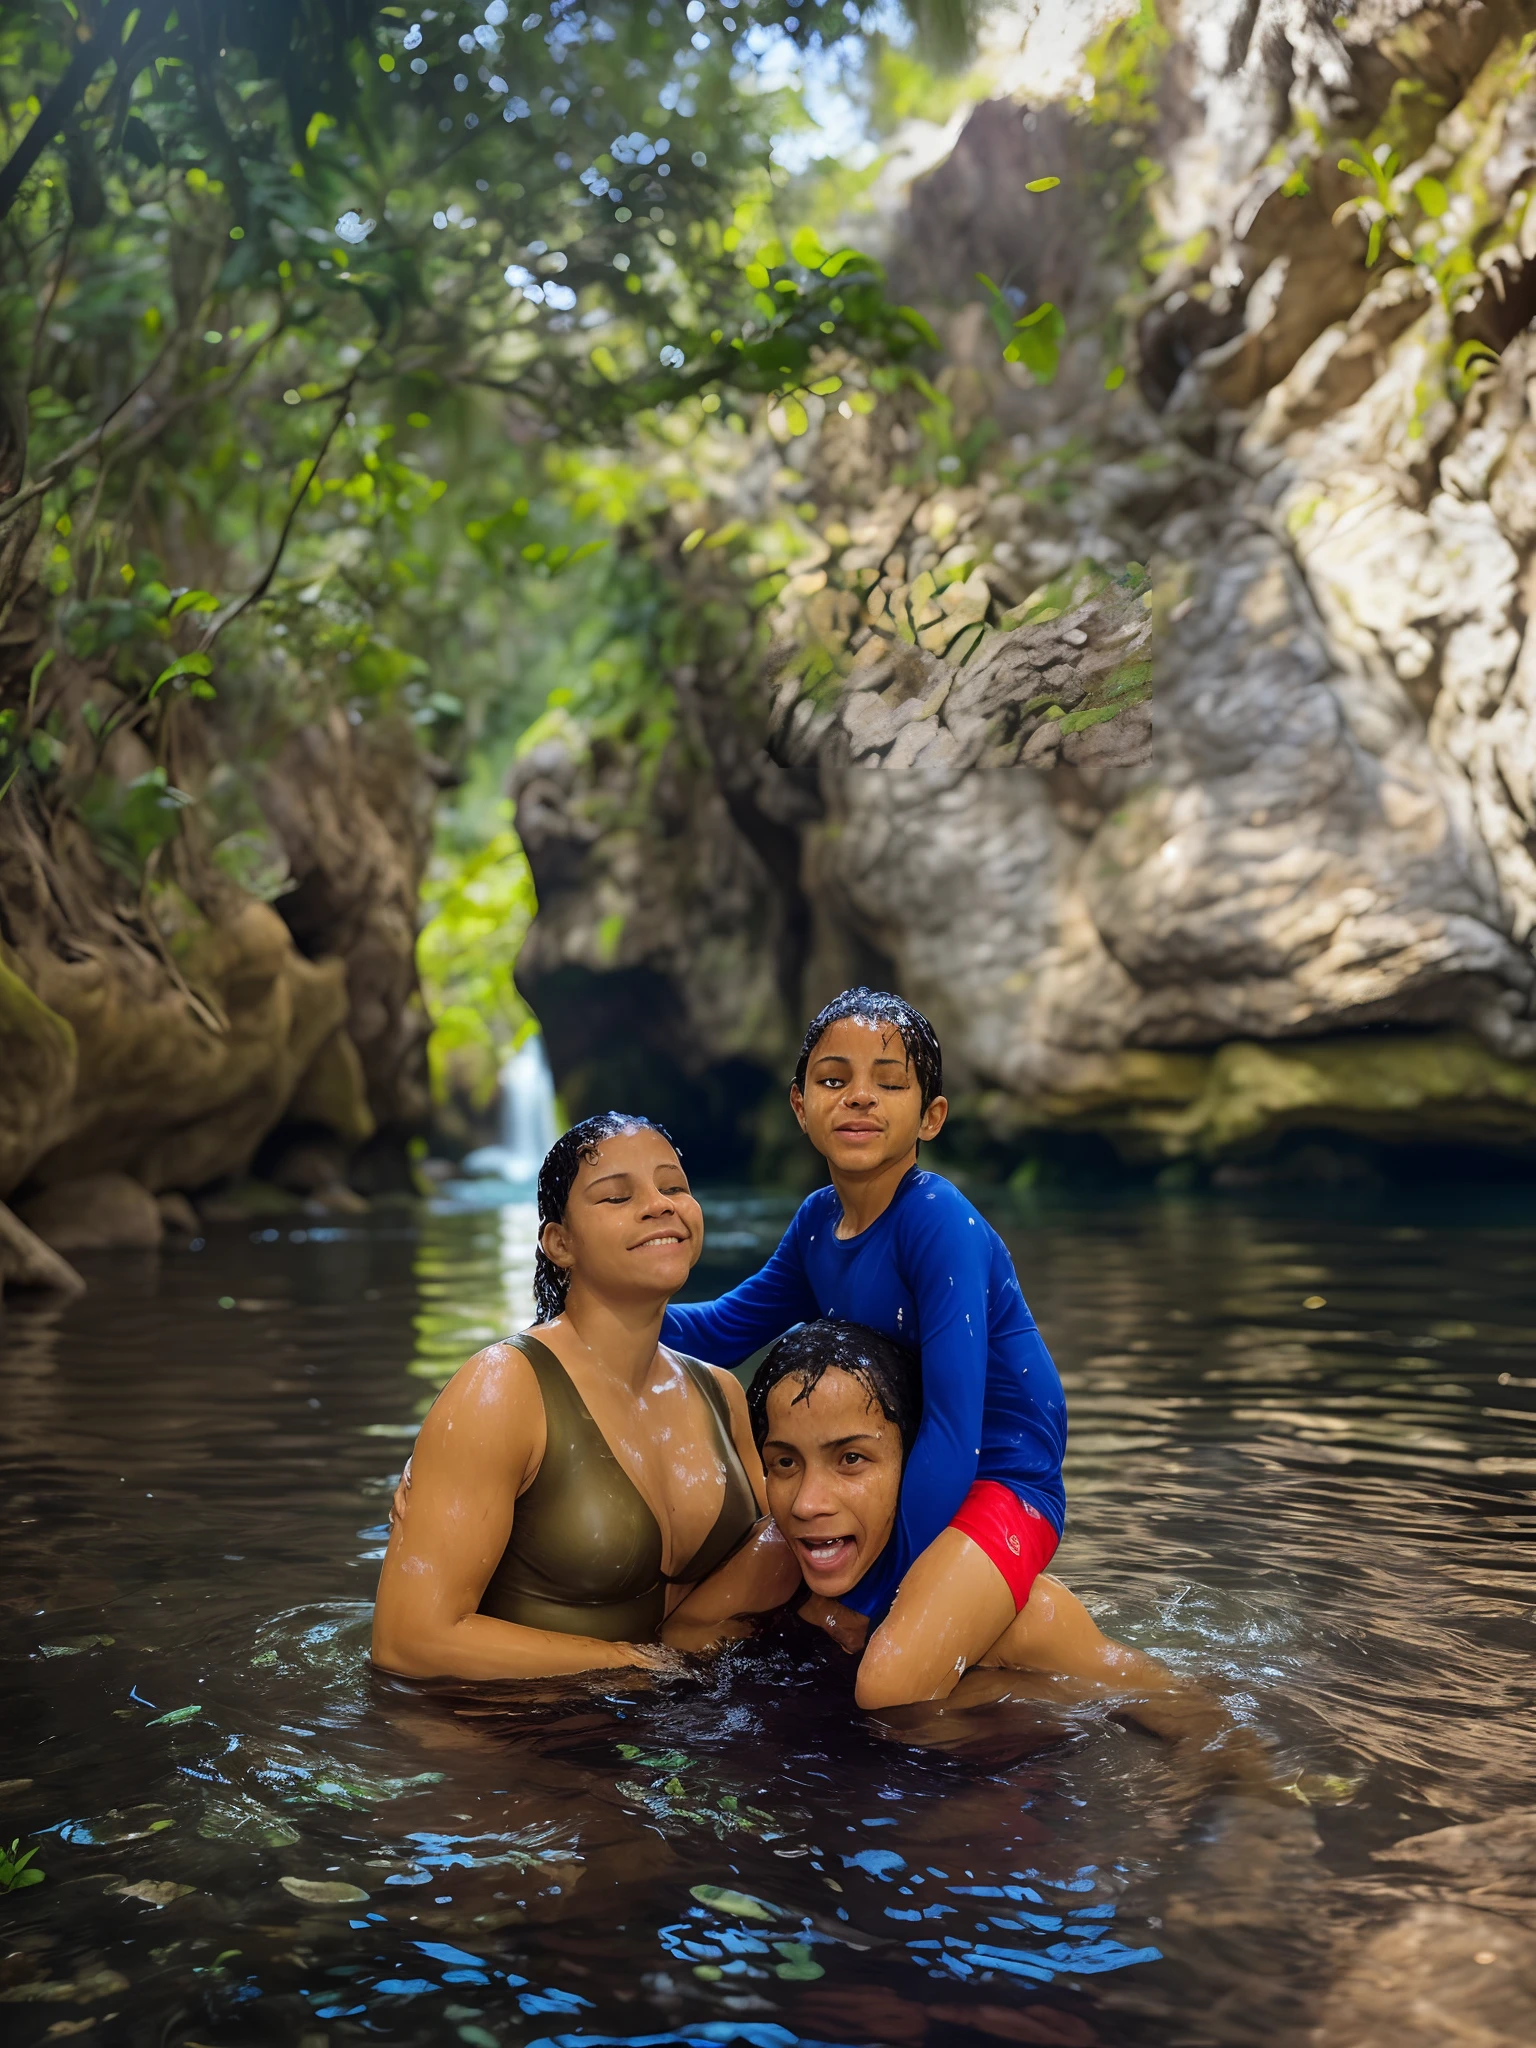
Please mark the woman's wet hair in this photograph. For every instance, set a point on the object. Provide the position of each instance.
(878, 1006)
(889, 1372)
(557, 1176)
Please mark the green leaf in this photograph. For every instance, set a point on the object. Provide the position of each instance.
(915, 320)
(194, 601)
(1373, 243)
(795, 416)
(316, 1891)
(177, 1714)
(1355, 170)
(184, 665)
(1432, 197)
(1037, 340)
(1042, 184)
(845, 260)
(1115, 378)
(805, 247)
(741, 1904)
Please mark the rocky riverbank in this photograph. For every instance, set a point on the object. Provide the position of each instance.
(1168, 735)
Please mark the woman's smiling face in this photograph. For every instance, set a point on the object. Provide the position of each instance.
(833, 1462)
(631, 1225)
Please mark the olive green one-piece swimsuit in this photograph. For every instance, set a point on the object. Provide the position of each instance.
(584, 1557)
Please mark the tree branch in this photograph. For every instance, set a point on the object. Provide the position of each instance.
(260, 589)
(61, 102)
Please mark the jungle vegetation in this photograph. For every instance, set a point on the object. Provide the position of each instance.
(338, 345)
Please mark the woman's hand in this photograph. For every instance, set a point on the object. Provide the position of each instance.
(848, 1630)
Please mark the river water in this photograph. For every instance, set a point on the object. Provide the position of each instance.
(1324, 1512)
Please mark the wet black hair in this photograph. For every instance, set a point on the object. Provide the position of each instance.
(890, 1372)
(877, 1006)
(557, 1176)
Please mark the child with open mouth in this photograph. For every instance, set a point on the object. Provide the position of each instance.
(901, 1250)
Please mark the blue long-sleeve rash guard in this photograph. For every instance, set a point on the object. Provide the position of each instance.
(934, 1274)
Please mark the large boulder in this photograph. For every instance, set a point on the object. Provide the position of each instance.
(100, 1212)
(1273, 873)
(25, 1261)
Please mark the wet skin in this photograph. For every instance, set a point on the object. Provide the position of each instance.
(863, 1111)
(833, 1463)
(631, 1235)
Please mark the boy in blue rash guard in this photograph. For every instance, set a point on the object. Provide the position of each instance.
(903, 1251)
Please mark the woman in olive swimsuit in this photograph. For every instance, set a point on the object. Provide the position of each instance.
(572, 1487)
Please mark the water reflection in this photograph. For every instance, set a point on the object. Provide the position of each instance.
(1324, 1510)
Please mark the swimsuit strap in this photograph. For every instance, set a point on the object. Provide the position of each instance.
(739, 1514)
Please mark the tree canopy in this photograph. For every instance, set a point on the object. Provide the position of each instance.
(324, 327)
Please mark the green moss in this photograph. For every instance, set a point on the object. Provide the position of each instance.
(1442, 1086)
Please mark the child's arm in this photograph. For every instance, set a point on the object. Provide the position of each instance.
(945, 1259)
(727, 1330)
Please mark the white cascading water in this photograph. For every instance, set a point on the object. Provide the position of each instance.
(527, 1119)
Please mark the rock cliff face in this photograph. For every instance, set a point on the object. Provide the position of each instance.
(1181, 761)
(158, 1018)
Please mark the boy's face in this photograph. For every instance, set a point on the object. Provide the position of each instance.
(862, 1108)
(833, 1464)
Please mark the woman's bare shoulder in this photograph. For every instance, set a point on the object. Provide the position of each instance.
(495, 1387)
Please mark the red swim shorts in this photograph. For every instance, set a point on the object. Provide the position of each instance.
(1017, 1538)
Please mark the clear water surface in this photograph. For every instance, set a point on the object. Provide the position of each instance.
(1324, 1512)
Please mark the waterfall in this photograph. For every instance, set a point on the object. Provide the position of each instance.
(527, 1119)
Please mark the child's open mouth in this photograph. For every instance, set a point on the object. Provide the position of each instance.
(821, 1556)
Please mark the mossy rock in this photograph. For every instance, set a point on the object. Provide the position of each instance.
(38, 1078)
(1437, 1087)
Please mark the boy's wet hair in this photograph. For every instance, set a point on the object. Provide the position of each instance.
(557, 1176)
(878, 1006)
(889, 1372)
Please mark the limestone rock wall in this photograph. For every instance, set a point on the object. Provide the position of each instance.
(1171, 742)
(158, 1018)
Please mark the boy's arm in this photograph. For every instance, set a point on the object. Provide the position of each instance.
(773, 1300)
(945, 1257)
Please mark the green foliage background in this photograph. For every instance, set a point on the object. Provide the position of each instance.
(348, 348)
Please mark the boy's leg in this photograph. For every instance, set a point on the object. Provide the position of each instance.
(949, 1610)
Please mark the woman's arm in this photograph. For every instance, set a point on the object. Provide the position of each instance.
(478, 1449)
(730, 1329)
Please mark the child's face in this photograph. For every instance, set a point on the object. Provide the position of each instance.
(862, 1107)
(833, 1463)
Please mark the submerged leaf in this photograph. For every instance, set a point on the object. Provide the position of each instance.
(316, 1891)
(742, 1904)
(151, 1891)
